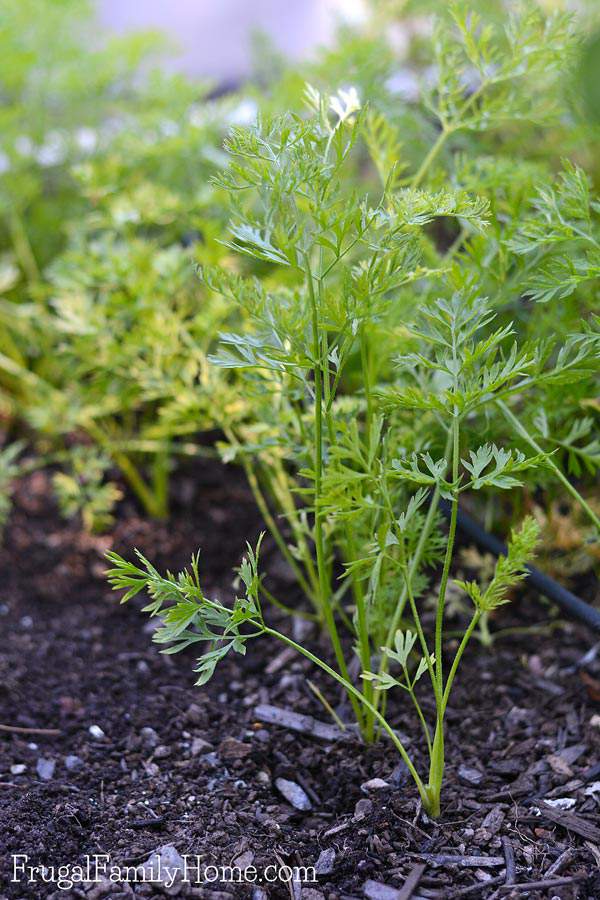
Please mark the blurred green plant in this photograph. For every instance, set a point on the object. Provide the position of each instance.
(83, 490)
(9, 470)
(106, 328)
(64, 91)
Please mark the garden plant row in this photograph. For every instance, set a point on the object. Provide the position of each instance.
(372, 284)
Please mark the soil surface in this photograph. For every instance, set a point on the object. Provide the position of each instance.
(139, 760)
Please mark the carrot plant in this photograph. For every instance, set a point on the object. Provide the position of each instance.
(356, 477)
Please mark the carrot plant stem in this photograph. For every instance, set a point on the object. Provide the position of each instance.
(324, 585)
(413, 569)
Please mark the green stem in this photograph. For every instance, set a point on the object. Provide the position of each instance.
(281, 488)
(422, 641)
(414, 566)
(439, 618)
(437, 760)
(273, 527)
(433, 789)
(445, 133)
(458, 656)
(128, 469)
(324, 585)
(366, 373)
(549, 461)
(431, 157)
(364, 647)
(485, 635)
(23, 249)
(160, 480)
(411, 598)
(417, 706)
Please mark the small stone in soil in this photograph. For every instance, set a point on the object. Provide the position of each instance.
(375, 890)
(17, 769)
(45, 768)
(244, 860)
(199, 745)
(166, 862)
(363, 808)
(231, 749)
(400, 775)
(325, 862)
(374, 784)
(73, 763)
(562, 803)
(293, 793)
(96, 732)
(470, 775)
(149, 737)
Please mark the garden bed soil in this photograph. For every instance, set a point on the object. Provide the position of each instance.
(138, 758)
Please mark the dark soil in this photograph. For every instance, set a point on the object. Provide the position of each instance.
(193, 768)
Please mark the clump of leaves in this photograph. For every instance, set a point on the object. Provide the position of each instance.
(130, 334)
(9, 470)
(82, 489)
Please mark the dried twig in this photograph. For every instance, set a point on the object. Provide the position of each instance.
(541, 885)
(560, 863)
(509, 857)
(477, 888)
(16, 729)
(571, 822)
(452, 859)
(412, 882)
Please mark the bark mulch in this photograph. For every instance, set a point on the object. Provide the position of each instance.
(106, 747)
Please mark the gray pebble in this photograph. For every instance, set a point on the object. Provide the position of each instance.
(470, 775)
(324, 864)
(363, 809)
(45, 768)
(149, 737)
(96, 732)
(73, 763)
(293, 793)
(374, 784)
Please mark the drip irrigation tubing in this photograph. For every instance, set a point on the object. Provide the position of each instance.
(572, 605)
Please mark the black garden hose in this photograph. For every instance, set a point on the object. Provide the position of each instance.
(551, 589)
